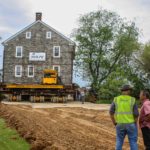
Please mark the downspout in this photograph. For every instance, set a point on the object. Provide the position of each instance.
(73, 57)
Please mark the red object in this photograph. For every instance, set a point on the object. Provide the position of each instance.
(145, 110)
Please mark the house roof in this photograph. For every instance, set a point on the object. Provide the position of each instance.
(63, 36)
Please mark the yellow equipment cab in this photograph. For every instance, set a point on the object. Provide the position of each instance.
(50, 77)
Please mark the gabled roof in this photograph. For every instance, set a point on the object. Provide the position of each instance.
(63, 36)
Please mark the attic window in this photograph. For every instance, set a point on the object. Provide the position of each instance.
(28, 35)
(19, 51)
(56, 51)
(48, 35)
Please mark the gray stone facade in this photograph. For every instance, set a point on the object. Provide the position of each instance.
(38, 44)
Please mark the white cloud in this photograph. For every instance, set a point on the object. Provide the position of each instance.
(137, 10)
(62, 14)
(13, 14)
(6, 29)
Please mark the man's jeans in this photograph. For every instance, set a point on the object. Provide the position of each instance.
(127, 129)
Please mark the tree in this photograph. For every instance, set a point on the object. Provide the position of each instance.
(143, 63)
(104, 41)
(111, 87)
(145, 58)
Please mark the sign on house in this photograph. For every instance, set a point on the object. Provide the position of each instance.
(37, 56)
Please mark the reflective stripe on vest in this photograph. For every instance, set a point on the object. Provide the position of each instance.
(124, 109)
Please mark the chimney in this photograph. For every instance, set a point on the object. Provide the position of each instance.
(38, 16)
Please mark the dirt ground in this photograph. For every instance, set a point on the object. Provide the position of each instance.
(63, 128)
(73, 104)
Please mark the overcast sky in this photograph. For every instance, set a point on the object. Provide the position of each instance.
(63, 14)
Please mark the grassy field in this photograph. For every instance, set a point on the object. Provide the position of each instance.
(10, 140)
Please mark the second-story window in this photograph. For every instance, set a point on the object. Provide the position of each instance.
(19, 50)
(48, 35)
(56, 51)
(28, 35)
(30, 71)
(18, 71)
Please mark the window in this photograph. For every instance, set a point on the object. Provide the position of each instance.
(57, 68)
(56, 51)
(18, 71)
(48, 35)
(19, 51)
(30, 71)
(28, 35)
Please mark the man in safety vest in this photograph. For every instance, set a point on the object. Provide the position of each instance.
(124, 115)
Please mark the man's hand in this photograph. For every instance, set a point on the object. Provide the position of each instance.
(147, 118)
(114, 123)
(113, 119)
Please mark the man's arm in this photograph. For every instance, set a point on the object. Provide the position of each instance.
(112, 112)
(135, 112)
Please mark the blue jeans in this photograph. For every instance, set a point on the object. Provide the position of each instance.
(127, 129)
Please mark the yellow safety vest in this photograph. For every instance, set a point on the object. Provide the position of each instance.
(124, 109)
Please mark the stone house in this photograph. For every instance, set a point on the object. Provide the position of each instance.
(35, 48)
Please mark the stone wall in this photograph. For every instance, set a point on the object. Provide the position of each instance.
(37, 43)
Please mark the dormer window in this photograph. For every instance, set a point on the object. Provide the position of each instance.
(28, 35)
(48, 35)
(56, 51)
(19, 50)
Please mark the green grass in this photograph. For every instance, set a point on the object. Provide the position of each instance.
(103, 102)
(10, 140)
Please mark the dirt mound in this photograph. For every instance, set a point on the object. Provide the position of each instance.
(63, 128)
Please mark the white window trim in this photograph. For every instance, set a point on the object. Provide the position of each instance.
(28, 71)
(47, 33)
(54, 52)
(21, 51)
(58, 68)
(28, 37)
(16, 71)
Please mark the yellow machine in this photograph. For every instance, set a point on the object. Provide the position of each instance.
(51, 89)
(49, 81)
(50, 77)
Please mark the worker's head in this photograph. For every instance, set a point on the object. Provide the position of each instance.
(126, 90)
(144, 94)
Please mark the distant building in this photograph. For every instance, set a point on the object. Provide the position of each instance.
(35, 48)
